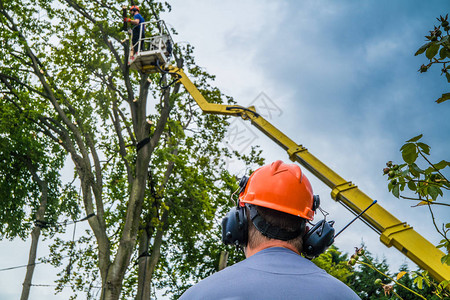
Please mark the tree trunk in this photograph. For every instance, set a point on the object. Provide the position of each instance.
(147, 264)
(31, 263)
(40, 217)
(116, 271)
(223, 260)
(144, 291)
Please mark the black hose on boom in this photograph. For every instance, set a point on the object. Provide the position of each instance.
(164, 73)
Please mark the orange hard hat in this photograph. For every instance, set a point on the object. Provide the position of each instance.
(134, 7)
(281, 187)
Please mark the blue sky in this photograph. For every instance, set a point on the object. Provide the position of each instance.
(344, 77)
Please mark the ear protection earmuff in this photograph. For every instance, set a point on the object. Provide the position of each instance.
(242, 184)
(316, 202)
(235, 225)
(318, 239)
(235, 228)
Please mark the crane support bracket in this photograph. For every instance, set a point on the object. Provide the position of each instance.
(341, 188)
(294, 150)
(387, 236)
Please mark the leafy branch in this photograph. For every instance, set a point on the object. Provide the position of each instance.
(427, 183)
(438, 43)
(387, 288)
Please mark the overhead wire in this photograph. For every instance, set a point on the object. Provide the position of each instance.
(24, 266)
(44, 224)
(57, 223)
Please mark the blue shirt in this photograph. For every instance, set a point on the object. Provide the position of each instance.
(139, 17)
(137, 28)
(273, 273)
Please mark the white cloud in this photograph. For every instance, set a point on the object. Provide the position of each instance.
(344, 90)
(380, 49)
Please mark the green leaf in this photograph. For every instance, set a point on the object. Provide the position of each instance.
(433, 191)
(409, 153)
(414, 139)
(425, 148)
(404, 173)
(443, 40)
(396, 191)
(445, 96)
(442, 164)
(445, 260)
(447, 225)
(432, 50)
(443, 53)
(422, 49)
(415, 170)
(390, 186)
(419, 282)
(444, 284)
(443, 243)
(411, 185)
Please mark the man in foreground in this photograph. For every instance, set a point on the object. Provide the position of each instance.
(270, 223)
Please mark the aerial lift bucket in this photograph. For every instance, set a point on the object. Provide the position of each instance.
(152, 52)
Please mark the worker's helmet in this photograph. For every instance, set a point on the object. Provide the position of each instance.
(281, 187)
(134, 8)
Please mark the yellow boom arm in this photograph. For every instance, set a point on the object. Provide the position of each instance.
(392, 231)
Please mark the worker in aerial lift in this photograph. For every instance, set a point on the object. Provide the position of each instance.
(269, 221)
(138, 29)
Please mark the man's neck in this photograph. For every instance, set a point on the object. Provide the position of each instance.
(249, 251)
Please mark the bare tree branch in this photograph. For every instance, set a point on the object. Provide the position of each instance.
(437, 170)
(122, 150)
(435, 225)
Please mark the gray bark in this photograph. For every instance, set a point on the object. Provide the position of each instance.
(223, 260)
(40, 218)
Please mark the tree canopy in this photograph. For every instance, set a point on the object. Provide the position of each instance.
(149, 164)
